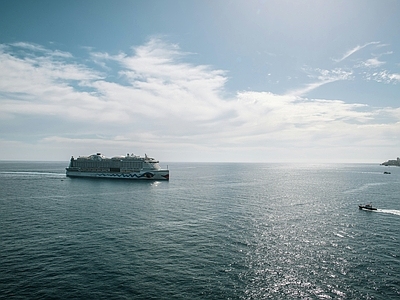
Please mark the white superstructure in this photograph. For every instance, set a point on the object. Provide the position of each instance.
(127, 167)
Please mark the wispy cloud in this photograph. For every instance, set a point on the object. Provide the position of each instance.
(35, 48)
(322, 77)
(354, 50)
(384, 76)
(373, 63)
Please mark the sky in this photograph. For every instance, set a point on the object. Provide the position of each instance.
(201, 81)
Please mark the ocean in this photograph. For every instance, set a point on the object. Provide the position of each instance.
(213, 231)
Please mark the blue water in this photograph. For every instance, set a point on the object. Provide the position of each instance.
(214, 231)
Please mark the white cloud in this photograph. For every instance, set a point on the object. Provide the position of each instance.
(322, 77)
(355, 49)
(373, 63)
(385, 77)
(160, 102)
(35, 48)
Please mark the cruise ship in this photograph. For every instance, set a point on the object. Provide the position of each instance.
(125, 167)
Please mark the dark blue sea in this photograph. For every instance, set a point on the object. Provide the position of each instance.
(214, 231)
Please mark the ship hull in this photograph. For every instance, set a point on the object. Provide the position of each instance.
(145, 175)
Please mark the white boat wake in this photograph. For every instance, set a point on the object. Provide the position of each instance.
(390, 211)
(31, 173)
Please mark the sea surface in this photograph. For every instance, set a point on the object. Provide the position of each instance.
(214, 231)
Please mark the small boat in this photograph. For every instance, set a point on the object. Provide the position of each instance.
(367, 207)
(386, 172)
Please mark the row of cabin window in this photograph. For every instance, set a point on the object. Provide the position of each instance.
(127, 165)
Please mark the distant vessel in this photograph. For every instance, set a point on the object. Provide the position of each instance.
(392, 162)
(126, 167)
(367, 207)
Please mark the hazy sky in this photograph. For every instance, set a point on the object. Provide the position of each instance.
(201, 80)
